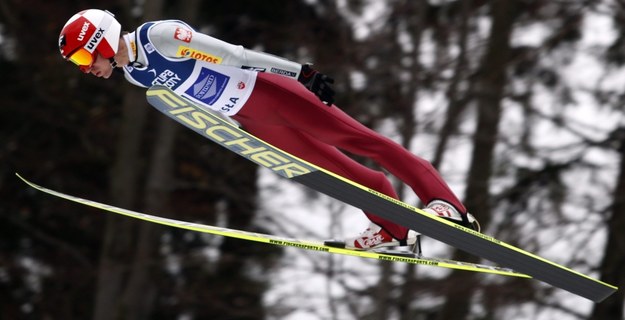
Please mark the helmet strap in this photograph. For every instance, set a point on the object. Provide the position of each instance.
(113, 62)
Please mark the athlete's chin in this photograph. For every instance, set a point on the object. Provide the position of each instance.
(107, 74)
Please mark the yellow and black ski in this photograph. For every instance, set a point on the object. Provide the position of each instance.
(230, 136)
(280, 241)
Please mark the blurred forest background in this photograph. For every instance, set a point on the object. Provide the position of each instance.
(518, 102)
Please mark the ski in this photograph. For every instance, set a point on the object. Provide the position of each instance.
(384, 255)
(228, 135)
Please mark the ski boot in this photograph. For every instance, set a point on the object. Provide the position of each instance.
(374, 237)
(447, 211)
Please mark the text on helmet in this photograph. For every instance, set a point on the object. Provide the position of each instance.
(83, 31)
(93, 42)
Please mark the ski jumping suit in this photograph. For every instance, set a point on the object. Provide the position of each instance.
(260, 91)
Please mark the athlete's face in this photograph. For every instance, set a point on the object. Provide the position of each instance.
(101, 67)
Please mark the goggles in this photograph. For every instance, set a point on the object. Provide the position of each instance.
(83, 59)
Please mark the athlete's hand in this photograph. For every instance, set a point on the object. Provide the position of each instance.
(318, 83)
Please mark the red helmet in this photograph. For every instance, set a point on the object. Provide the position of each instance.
(88, 33)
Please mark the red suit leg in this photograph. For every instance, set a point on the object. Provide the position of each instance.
(284, 113)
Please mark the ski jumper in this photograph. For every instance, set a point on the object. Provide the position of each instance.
(260, 91)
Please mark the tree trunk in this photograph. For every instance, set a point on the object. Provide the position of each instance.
(139, 294)
(119, 232)
(457, 99)
(489, 90)
(613, 264)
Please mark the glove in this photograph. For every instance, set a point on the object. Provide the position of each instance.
(317, 83)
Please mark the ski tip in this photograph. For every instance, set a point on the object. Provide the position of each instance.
(21, 178)
(24, 179)
(28, 182)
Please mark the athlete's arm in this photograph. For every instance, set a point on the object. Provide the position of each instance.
(176, 39)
